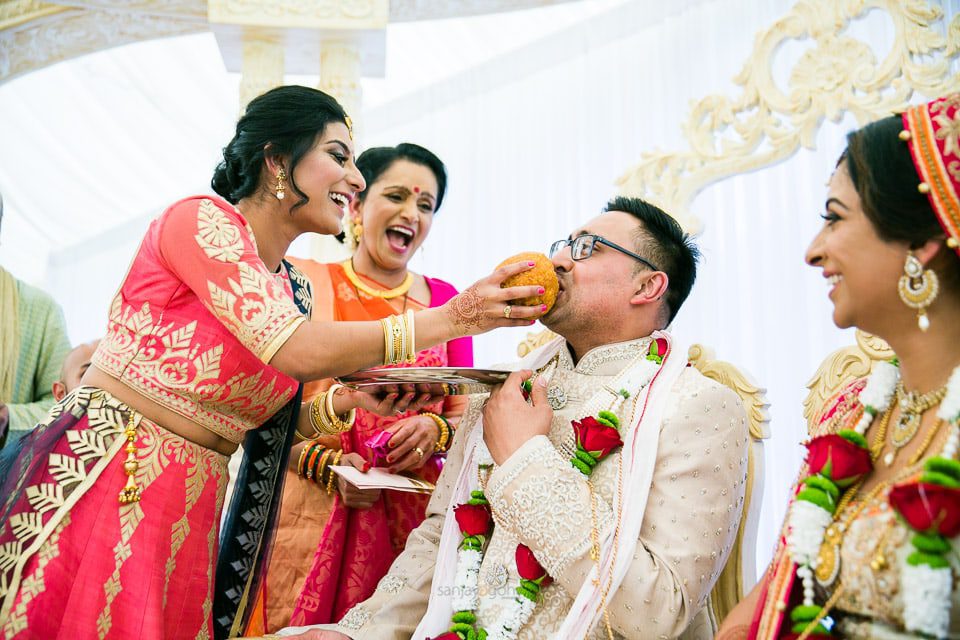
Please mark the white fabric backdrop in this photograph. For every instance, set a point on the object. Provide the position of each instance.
(533, 140)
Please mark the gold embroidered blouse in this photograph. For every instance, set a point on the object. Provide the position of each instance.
(198, 318)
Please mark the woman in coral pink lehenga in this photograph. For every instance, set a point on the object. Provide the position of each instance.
(110, 525)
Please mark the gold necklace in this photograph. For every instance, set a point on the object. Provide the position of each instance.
(370, 291)
(912, 407)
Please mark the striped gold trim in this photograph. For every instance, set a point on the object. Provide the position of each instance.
(270, 348)
(929, 164)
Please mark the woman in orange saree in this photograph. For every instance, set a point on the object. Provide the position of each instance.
(332, 550)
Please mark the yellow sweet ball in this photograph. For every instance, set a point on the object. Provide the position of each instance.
(542, 274)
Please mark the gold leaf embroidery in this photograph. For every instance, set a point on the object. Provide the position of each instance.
(66, 470)
(45, 497)
(181, 338)
(9, 553)
(217, 235)
(208, 364)
(87, 444)
(34, 585)
(168, 363)
(26, 525)
(305, 294)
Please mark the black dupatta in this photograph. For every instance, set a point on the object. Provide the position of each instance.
(247, 535)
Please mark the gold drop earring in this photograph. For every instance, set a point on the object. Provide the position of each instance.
(281, 189)
(918, 288)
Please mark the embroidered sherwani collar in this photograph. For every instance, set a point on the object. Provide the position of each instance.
(605, 360)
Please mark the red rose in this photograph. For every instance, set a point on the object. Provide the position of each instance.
(661, 344)
(597, 439)
(530, 568)
(474, 519)
(928, 507)
(837, 458)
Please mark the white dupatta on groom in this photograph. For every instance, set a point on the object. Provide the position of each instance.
(638, 469)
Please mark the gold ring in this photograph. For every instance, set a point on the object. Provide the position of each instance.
(506, 311)
(419, 452)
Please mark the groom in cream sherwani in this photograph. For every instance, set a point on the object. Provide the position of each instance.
(663, 509)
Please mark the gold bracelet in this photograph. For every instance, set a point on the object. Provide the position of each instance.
(387, 339)
(336, 423)
(399, 333)
(321, 465)
(303, 455)
(411, 355)
(316, 414)
(331, 473)
(443, 429)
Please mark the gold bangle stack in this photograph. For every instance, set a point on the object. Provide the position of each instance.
(399, 338)
(324, 419)
(315, 461)
(443, 440)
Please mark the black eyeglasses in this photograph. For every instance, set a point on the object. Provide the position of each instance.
(581, 248)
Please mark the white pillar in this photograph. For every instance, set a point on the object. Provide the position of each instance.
(262, 63)
(340, 77)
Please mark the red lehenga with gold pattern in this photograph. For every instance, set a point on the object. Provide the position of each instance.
(193, 326)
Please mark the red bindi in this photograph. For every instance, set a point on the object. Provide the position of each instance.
(416, 189)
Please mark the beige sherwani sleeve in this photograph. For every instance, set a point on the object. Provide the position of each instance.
(689, 525)
(396, 607)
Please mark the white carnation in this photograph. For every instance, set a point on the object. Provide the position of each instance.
(881, 386)
(926, 599)
(512, 618)
(806, 524)
(465, 593)
(640, 376)
(950, 405)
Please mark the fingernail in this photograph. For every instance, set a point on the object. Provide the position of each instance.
(389, 459)
(542, 381)
(531, 264)
(541, 290)
(532, 322)
(543, 307)
(366, 467)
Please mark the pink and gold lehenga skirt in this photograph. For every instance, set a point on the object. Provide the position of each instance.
(75, 563)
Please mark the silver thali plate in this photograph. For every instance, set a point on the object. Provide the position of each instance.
(452, 381)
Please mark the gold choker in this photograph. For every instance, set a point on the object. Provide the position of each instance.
(912, 407)
(370, 291)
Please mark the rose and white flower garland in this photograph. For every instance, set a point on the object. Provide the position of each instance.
(595, 439)
(931, 507)
(837, 461)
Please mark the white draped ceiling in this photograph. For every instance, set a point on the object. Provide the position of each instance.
(536, 113)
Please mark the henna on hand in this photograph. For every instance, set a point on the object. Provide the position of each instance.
(466, 309)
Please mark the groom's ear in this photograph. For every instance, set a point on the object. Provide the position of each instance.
(650, 286)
